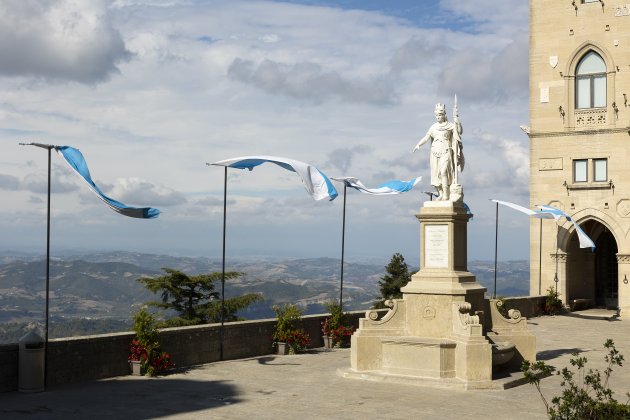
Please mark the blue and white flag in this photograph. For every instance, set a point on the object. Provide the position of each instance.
(75, 159)
(585, 241)
(533, 213)
(315, 181)
(390, 187)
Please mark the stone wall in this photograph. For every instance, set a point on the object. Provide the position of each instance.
(8, 367)
(529, 306)
(78, 359)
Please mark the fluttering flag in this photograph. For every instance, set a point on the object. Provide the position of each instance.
(585, 241)
(390, 187)
(315, 181)
(532, 213)
(75, 159)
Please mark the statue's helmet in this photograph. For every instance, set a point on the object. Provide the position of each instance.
(440, 108)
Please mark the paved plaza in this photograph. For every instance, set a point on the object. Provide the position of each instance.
(308, 386)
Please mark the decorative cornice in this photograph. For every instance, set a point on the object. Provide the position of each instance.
(561, 257)
(544, 134)
(623, 258)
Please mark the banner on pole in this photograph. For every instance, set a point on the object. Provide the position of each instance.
(315, 181)
(585, 241)
(390, 187)
(76, 161)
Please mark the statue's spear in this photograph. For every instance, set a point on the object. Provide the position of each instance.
(454, 142)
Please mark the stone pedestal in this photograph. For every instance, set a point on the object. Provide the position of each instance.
(434, 334)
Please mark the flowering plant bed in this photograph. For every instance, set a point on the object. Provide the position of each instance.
(333, 329)
(137, 352)
(338, 336)
(297, 340)
(144, 350)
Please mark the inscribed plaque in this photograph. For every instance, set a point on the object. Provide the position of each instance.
(436, 246)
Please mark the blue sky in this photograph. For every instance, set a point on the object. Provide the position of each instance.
(151, 90)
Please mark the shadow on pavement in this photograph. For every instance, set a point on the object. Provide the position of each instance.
(138, 398)
(268, 359)
(552, 354)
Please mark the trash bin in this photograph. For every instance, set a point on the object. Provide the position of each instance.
(31, 363)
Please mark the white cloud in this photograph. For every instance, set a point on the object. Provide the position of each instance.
(342, 89)
(482, 77)
(64, 39)
(342, 158)
(310, 81)
(141, 192)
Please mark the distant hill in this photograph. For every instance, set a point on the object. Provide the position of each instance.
(99, 291)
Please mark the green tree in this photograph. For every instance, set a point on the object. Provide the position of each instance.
(397, 277)
(194, 297)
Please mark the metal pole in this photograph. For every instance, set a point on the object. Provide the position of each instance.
(496, 245)
(555, 278)
(343, 239)
(223, 262)
(47, 271)
(48, 147)
(540, 260)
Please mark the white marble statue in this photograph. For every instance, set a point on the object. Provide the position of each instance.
(447, 154)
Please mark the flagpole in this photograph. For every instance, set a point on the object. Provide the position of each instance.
(496, 245)
(540, 260)
(47, 269)
(555, 277)
(343, 239)
(223, 262)
(48, 147)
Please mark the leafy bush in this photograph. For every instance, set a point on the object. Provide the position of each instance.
(146, 346)
(336, 325)
(553, 304)
(289, 327)
(584, 395)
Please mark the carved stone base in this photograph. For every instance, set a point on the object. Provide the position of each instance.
(435, 335)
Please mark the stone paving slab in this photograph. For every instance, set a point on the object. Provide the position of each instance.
(306, 386)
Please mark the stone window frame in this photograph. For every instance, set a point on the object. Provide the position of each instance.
(591, 77)
(588, 118)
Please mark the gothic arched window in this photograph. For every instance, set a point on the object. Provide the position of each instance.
(590, 82)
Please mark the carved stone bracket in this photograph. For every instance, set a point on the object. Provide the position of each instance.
(623, 258)
(463, 322)
(560, 256)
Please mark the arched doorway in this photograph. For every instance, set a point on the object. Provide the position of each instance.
(606, 283)
(592, 276)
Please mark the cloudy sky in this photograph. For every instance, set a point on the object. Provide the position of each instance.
(151, 90)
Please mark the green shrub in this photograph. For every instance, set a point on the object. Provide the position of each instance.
(147, 343)
(553, 304)
(585, 393)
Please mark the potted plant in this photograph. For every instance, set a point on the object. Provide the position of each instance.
(137, 356)
(145, 355)
(289, 337)
(335, 331)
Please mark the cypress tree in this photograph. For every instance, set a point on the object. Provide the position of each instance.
(397, 277)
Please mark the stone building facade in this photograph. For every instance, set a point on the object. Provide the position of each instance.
(580, 148)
